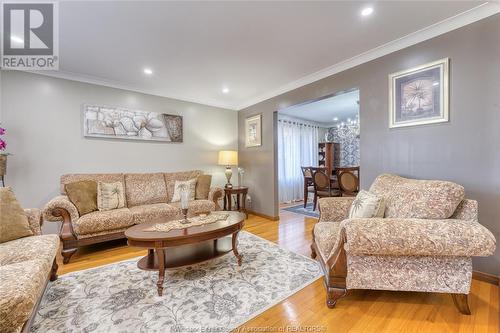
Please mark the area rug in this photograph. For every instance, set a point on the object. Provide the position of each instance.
(213, 296)
(299, 209)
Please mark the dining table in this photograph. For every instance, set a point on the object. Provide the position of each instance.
(308, 181)
(333, 180)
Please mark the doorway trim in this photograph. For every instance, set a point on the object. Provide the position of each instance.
(275, 136)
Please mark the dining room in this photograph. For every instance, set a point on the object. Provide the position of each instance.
(318, 151)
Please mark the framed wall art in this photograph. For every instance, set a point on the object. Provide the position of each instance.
(419, 95)
(122, 123)
(253, 131)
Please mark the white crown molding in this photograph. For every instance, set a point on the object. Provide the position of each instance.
(475, 14)
(470, 16)
(117, 85)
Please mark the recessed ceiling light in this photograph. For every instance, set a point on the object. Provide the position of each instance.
(435, 83)
(148, 71)
(225, 90)
(366, 11)
(16, 39)
(335, 119)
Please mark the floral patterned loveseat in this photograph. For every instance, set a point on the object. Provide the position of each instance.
(147, 196)
(424, 242)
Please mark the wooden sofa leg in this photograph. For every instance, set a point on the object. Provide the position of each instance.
(333, 294)
(313, 246)
(313, 252)
(53, 271)
(66, 234)
(336, 276)
(461, 302)
(67, 253)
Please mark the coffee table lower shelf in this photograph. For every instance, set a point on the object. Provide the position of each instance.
(186, 255)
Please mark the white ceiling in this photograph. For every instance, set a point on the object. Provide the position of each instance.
(341, 106)
(256, 49)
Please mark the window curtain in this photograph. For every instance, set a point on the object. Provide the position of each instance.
(297, 146)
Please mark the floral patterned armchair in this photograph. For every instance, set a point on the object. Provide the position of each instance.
(424, 242)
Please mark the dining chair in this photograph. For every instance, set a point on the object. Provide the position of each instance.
(348, 180)
(323, 186)
(308, 183)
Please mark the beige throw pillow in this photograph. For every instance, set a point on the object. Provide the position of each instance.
(110, 196)
(367, 205)
(179, 185)
(203, 186)
(13, 221)
(83, 195)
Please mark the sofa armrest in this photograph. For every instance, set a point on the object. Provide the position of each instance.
(334, 209)
(417, 237)
(63, 202)
(215, 194)
(467, 210)
(35, 220)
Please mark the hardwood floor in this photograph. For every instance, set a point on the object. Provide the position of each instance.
(360, 311)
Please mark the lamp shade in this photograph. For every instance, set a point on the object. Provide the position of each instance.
(228, 157)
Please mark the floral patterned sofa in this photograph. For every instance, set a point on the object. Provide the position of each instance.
(424, 242)
(147, 196)
(26, 265)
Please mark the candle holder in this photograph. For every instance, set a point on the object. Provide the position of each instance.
(185, 204)
(185, 214)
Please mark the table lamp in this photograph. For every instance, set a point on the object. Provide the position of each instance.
(228, 158)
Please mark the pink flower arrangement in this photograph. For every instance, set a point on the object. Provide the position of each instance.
(3, 144)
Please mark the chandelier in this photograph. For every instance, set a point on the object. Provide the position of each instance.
(348, 129)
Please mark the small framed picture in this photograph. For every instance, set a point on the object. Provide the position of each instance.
(419, 95)
(253, 131)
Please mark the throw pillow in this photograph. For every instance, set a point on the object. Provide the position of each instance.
(83, 195)
(203, 186)
(13, 221)
(418, 199)
(110, 196)
(179, 185)
(367, 205)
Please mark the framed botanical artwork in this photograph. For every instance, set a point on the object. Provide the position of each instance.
(419, 95)
(121, 123)
(253, 131)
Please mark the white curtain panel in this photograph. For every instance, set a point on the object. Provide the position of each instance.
(297, 146)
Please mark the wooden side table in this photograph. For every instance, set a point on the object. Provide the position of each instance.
(241, 196)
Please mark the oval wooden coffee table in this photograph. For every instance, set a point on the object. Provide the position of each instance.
(146, 236)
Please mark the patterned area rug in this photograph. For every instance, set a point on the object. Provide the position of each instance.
(214, 296)
(299, 209)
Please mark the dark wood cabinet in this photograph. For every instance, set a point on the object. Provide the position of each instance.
(329, 155)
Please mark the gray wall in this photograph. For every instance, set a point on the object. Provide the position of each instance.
(43, 119)
(465, 150)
